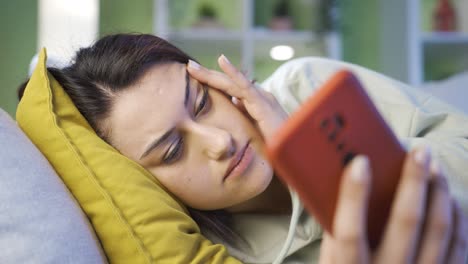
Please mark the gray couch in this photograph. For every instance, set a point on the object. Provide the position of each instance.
(40, 222)
(452, 90)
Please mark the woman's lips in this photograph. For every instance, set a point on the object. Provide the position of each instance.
(240, 162)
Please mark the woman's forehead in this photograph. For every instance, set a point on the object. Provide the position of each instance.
(153, 105)
(162, 85)
(169, 77)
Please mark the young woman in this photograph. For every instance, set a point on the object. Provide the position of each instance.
(201, 133)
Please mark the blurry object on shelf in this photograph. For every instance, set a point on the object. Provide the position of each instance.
(281, 19)
(444, 17)
(281, 52)
(328, 16)
(207, 18)
(246, 36)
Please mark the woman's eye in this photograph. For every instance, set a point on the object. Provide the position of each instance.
(203, 102)
(174, 153)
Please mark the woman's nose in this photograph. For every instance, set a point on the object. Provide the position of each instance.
(217, 143)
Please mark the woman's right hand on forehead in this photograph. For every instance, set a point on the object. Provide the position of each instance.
(260, 105)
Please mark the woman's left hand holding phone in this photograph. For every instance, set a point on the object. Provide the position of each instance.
(260, 105)
(425, 225)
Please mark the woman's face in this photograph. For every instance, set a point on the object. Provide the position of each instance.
(191, 138)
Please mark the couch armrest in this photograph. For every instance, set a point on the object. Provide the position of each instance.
(40, 221)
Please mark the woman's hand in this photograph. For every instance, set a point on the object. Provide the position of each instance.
(260, 105)
(425, 225)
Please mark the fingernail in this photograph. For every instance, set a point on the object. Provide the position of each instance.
(359, 168)
(422, 156)
(225, 59)
(192, 64)
(435, 168)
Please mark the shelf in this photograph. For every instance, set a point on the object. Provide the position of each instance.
(444, 54)
(195, 39)
(244, 43)
(287, 36)
(206, 34)
(453, 49)
(445, 38)
(194, 42)
(257, 34)
(411, 52)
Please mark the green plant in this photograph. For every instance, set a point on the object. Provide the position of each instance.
(207, 11)
(281, 9)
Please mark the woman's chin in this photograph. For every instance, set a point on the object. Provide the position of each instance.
(263, 171)
(261, 177)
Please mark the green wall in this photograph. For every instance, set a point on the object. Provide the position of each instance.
(18, 27)
(125, 16)
(360, 26)
(427, 9)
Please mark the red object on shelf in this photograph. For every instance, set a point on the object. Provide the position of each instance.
(444, 16)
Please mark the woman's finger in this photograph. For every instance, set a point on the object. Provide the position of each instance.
(402, 233)
(437, 229)
(237, 76)
(458, 245)
(327, 250)
(239, 104)
(349, 227)
(215, 79)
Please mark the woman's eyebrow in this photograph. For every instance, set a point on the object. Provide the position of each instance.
(158, 141)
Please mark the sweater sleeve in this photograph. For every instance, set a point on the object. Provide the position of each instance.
(416, 117)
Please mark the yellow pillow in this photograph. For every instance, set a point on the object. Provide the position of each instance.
(135, 219)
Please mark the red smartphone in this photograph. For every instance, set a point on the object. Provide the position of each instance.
(310, 151)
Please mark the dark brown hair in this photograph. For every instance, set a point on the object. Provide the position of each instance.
(113, 64)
